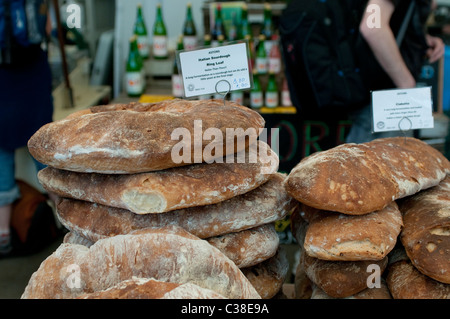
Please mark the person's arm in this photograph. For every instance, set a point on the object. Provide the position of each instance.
(382, 42)
(436, 48)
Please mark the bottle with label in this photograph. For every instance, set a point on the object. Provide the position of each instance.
(244, 27)
(285, 94)
(160, 50)
(219, 26)
(177, 82)
(237, 96)
(190, 40)
(140, 30)
(261, 56)
(275, 57)
(271, 96)
(207, 40)
(134, 84)
(256, 93)
(251, 50)
(233, 28)
(267, 27)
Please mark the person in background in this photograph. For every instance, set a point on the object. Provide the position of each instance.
(26, 104)
(402, 65)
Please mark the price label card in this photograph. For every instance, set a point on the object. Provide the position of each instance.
(215, 70)
(402, 109)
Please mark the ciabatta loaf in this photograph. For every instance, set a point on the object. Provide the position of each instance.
(336, 236)
(167, 254)
(340, 279)
(134, 138)
(426, 232)
(148, 288)
(263, 205)
(406, 282)
(361, 178)
(166, 190)
(369, 293)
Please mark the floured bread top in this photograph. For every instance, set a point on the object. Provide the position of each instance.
(132, 138)
(362, 178)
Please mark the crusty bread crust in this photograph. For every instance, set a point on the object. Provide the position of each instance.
(336, 236)
(147, 288)
(134, 138)
(358, 179)
(167, 254)
(166, 190)
(426, 234)
(263, 205)
(406, 282)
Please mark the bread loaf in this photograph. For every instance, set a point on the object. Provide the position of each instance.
(249, 247)
(368, 293)
(336, 236)
(340, 279)
(263, 205)
(161, 191)
(362, 178)
(406, 282)
(426, 232)
(145, 288)
(303, 286)
(268, 277)
(167, 254)
(134, 138)
(245, 248)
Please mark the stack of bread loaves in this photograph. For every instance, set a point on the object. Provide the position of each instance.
(350, 219)
(141, 220)
(423, 269)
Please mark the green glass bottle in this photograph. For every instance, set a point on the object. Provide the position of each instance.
(177, 83)
(219, 26)
(261, 61)
(256, 94)
(267, 27)
(244, 27)
(207, 40)
(190, 40)
(271, 96)
(160, 50)
(134, 85)
(140, 30)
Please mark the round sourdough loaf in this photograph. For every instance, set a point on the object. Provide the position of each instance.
(167, 254)
(426, 231)
(147, 288)
(358, 179)
(165, 190)
(336, 236)
(263, 205)
(245, 248)
(133, 138)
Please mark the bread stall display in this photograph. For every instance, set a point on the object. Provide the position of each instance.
(137, 218)
(354, 208)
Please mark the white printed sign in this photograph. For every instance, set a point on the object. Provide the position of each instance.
(402, 109)
(203, 69)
